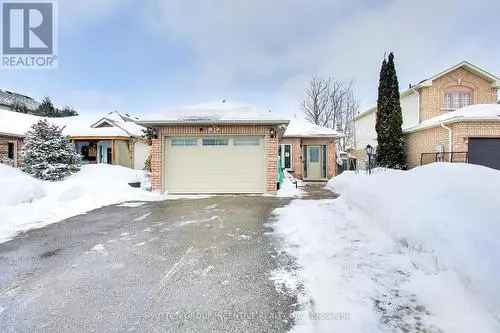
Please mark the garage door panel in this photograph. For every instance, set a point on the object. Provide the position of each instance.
(215, 169)
(485, 151)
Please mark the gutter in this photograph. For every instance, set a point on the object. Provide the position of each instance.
(450, 137)
(159, 123)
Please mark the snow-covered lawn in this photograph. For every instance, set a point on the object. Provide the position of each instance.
(413, 251)
(27, 203)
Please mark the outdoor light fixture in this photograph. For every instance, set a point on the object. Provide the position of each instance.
(272, 133)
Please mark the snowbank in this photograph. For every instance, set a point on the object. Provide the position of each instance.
(413, 251)
(449, 210)
(28, 203)
(17, 187)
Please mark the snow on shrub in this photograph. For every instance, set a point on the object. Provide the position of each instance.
(48, 154)
(448, 209)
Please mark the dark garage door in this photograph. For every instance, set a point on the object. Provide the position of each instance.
(485, 151)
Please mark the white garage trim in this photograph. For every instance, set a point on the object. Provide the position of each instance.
(215, 164)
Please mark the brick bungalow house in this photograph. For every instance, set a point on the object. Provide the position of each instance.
(307, 151)
(451, 116)
(230, 149)
(111, 140)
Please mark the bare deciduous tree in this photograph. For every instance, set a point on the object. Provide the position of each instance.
(332, 103)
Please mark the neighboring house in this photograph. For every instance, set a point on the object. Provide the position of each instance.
(442, 120)
(114, 139)
(308, 151)
(233, 149)
(9, 99)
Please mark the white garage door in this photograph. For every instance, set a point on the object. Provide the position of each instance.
(215, 165)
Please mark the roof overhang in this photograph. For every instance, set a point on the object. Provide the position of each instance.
(453, 120)
(12, 135)
(329, 136)
(90, 137)
(162, 123)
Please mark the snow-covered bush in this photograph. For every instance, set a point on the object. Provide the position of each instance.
(48, 154)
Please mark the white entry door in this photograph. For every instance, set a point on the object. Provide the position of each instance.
(215, 165)
(314, 162)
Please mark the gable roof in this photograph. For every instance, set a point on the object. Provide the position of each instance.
(304, 129)
(495, 82)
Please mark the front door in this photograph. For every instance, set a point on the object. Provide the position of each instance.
(314, 162)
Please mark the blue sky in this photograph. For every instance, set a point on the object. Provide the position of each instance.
(150, 56)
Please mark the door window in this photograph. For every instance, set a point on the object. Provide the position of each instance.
(314, 155)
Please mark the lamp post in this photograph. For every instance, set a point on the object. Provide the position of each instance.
(369, 152)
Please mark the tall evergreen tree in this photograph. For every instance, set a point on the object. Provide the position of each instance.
(391, 146)
(48, 154)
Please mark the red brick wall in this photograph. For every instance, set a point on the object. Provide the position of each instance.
(297, 158)
(156, 165)
(158, 157)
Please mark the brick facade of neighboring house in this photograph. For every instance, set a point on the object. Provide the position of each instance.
(4, 150)
(426, 140)
(432, 98)
(297, 165)
(158, 148)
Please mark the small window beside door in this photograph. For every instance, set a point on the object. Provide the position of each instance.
(10, 150)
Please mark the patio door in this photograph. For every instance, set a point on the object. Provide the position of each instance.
(314, 162)
(103, 152)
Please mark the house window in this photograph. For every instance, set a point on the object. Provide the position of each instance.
(456, 99)
(215, 141)
(246, 141)
(184, 142)
(10, 150)
(285, 154)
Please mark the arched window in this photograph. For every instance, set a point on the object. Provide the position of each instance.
(456, 98)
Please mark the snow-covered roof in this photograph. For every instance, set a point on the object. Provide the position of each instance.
(214, 113)
(303, 129)
(123, 121)
(476, 112)
(17, 124)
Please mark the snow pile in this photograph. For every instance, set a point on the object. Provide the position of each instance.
(403, 251)
(32, 203)
(18, 187)
(449, 210)
(288, 187)
(302, 128)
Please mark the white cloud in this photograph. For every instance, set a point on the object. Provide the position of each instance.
(280, 44)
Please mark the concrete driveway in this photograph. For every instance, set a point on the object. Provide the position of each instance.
(194, 265)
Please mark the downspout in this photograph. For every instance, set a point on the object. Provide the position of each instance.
(450, 137)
